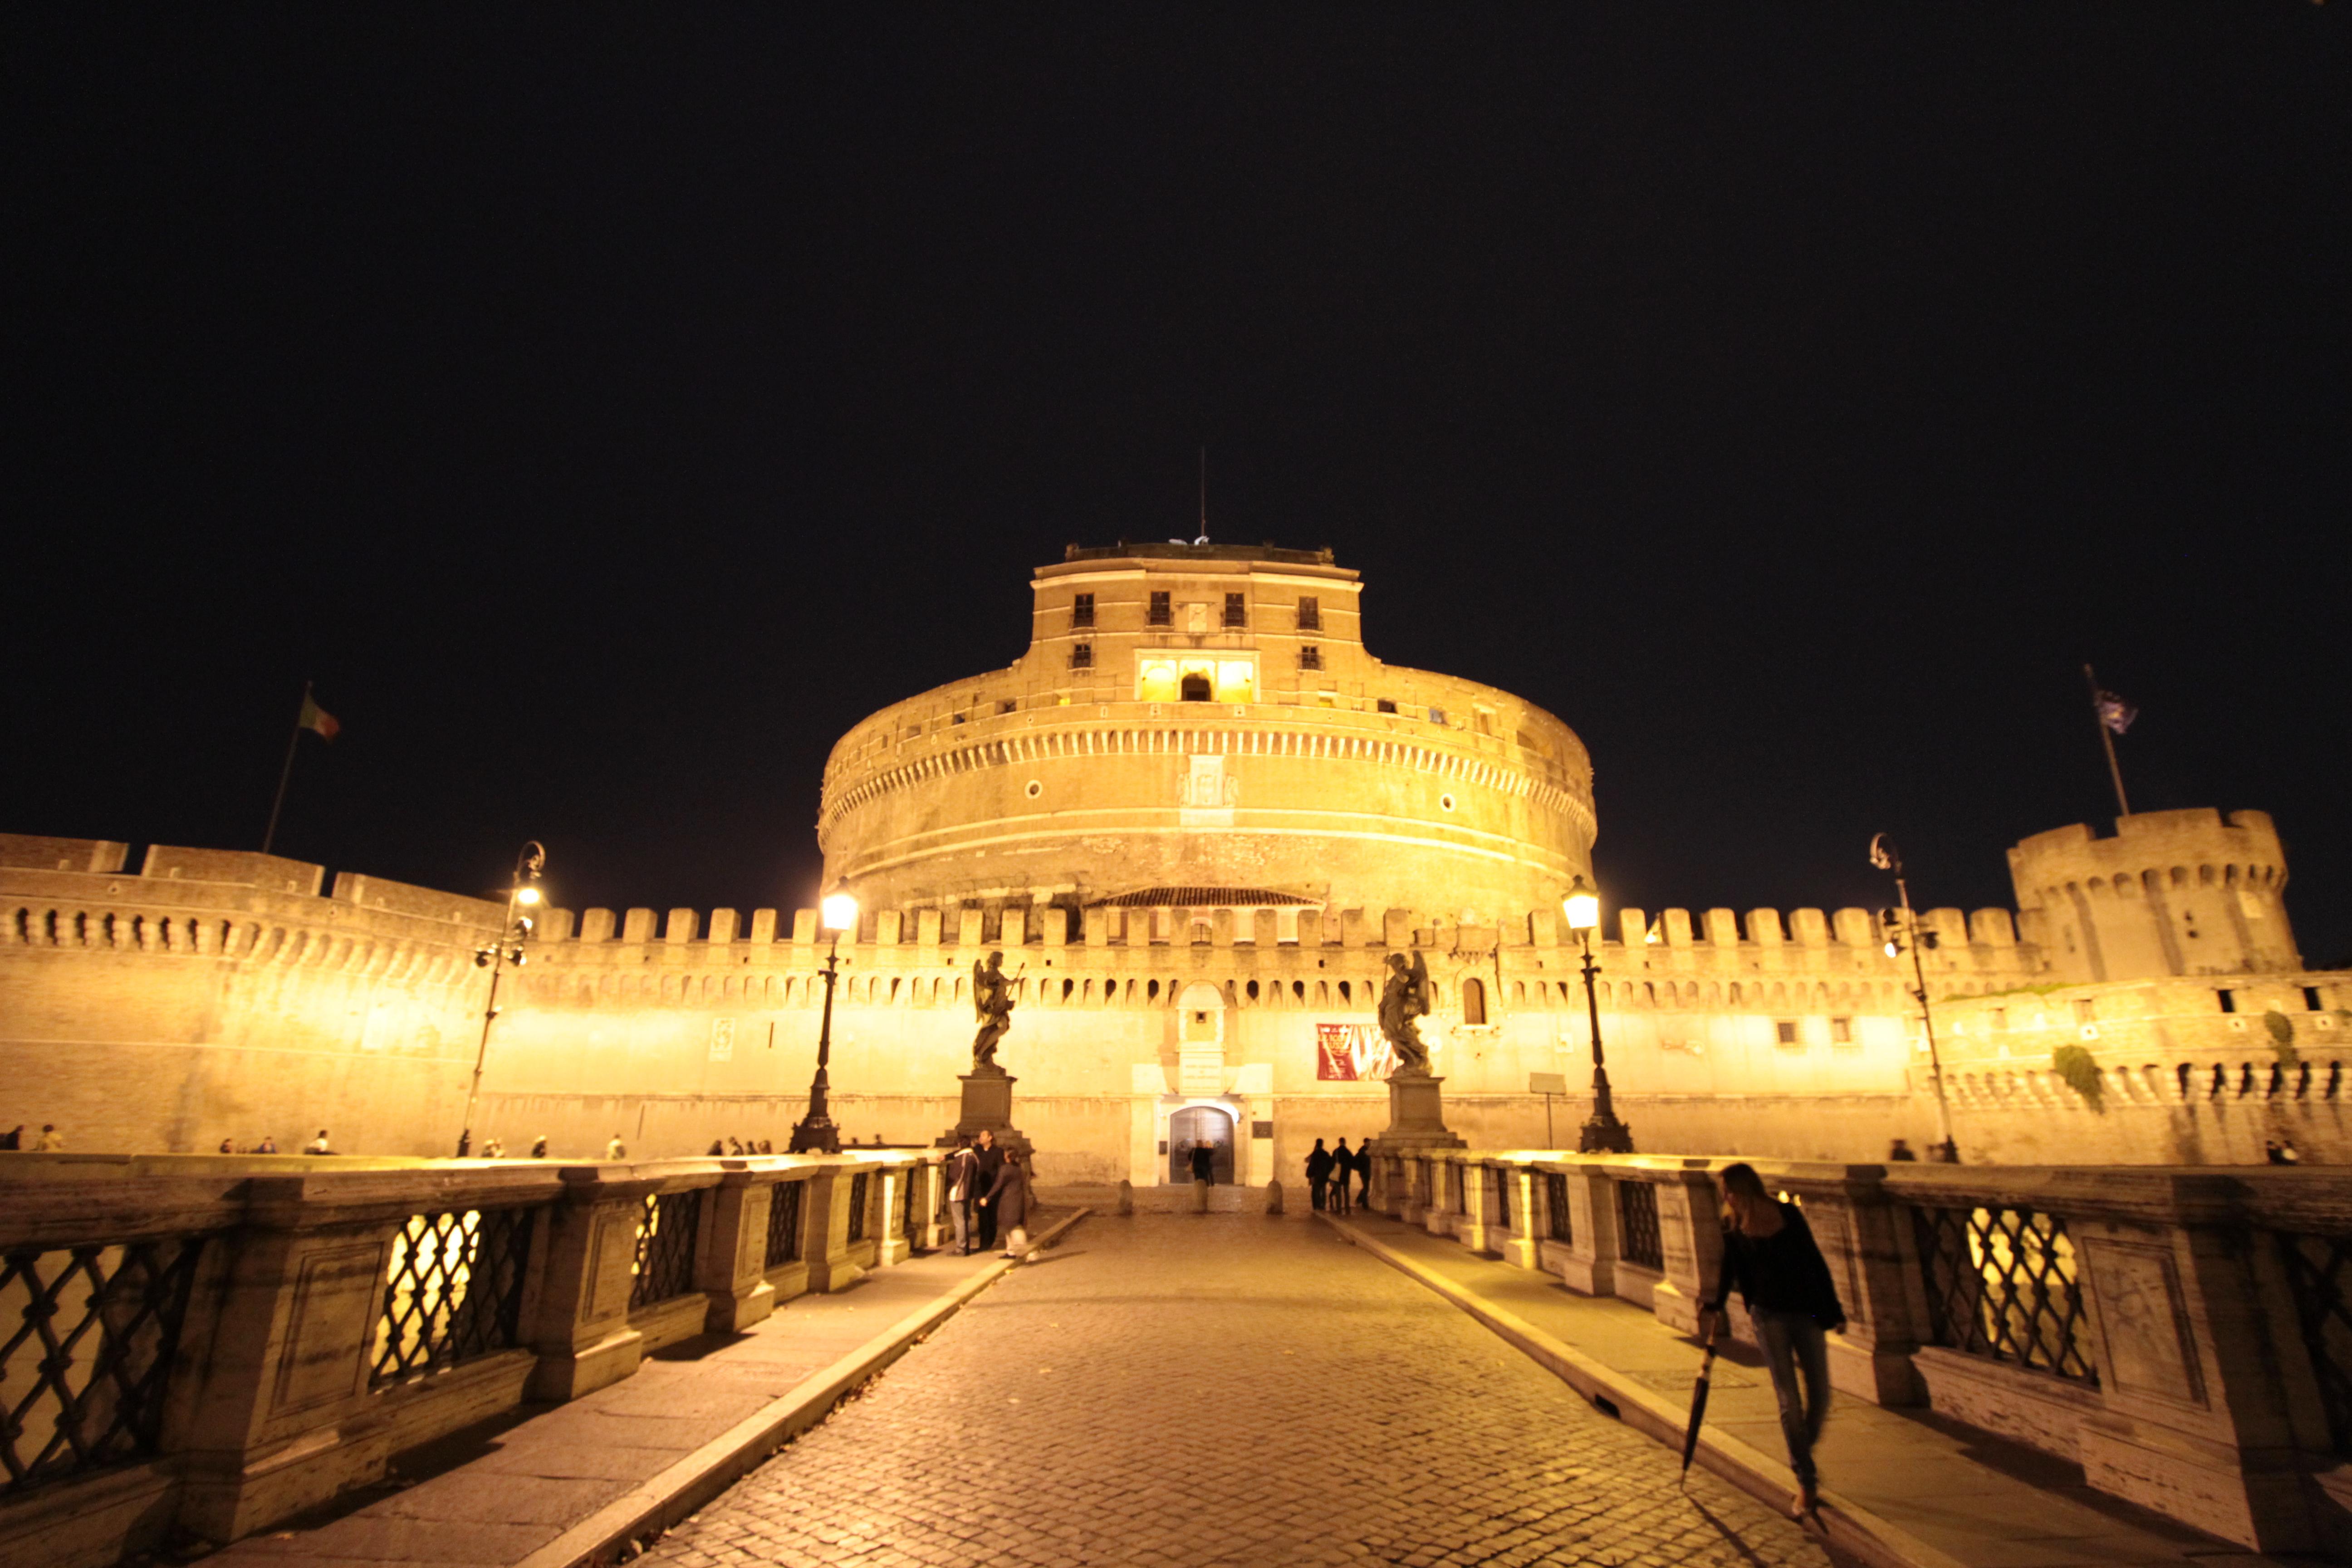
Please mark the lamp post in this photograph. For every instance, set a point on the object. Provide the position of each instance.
(1901, 928)
(815, 1133)
(1602, 1134)
(522, 896)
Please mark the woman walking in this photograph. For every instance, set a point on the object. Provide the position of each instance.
(1008, 1198)
(1769, 1256)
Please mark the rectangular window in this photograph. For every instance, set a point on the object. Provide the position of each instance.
(1385, 706)
(1008, 705)
(2311, 999)
(1310, 616)
(1784, 1031)
(1236, 610)
(1160, 615)
(1841, 1031)
(2229, 1001)
(1437, 715)
(1310, 657)
(1082, 610)
(1082, 655)
(2087, 1010)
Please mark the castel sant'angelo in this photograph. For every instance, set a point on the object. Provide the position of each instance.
(1198, 818)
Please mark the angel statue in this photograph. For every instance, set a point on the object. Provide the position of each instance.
(1404, 1001)
(992, 1002)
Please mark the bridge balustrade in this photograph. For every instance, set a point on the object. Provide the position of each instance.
(2184, 1334)
(207, 1345)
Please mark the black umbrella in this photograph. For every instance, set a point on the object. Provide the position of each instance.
(1698, 1394)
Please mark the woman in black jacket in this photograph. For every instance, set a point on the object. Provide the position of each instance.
(1769, 1256)
(1008, 1199)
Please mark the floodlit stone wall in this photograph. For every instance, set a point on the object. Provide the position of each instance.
(170, 1012)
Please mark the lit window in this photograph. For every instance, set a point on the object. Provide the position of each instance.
(1236, 610)
(1160, 615)
(1082, 610)
(1310, 616)
(1082, 655)
(1236, 680)
(1158, 680)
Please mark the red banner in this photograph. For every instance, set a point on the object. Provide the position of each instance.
(1345, 1053)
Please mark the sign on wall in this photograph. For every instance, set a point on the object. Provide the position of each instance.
(722, 1039)
(1347, 1052)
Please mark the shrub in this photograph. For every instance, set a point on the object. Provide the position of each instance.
(2074, 1064)
(2282, 1033)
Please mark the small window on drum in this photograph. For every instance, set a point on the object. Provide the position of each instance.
(1034, 789)
(1384, 706)
(1445, 803)
(1082, 610)
(1160, 615)
(1311, 657)
(1082, 655)
(1310, 614)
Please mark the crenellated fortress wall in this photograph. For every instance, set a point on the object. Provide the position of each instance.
(214, 994)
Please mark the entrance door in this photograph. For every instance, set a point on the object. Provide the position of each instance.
(1196, 1124)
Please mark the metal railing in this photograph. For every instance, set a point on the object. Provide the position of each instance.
(2003, 1283)
(92, 1332)
(1638, 1241)
(665, 1261)
(452, 1291)
(859, 1186)
(2319, 1274)
(785, 1222)
(1563, 1219)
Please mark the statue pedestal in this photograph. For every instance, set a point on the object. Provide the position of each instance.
(988, 1106)
(1417, 1113)
(1416, 1126)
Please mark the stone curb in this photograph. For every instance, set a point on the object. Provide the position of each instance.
(656, 1505)
(1852, 1531)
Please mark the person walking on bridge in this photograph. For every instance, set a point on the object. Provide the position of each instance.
(963, 1176)
(1205, 1162)
(1319, 1172)
(1769, 1256)
(1008, 1199)
(1346, 1163)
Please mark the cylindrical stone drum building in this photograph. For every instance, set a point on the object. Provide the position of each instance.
(1198, 727)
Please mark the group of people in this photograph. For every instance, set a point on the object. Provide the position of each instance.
(988, 1196)
(1329, 1169)
(736, 1146)
(48, 1140)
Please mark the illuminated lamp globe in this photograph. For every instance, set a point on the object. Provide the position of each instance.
(527, 894)
(839, 907)
(1582, 906)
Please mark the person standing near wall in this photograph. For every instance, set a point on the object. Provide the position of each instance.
(991, 1158)
(1205, 1162)
(1008, 1198)
(962, 1171)
(1319, 1172)
(616, 1150)
(1363, 1164)
(1346, 1163)
(1769, 1256)
(50, 1142)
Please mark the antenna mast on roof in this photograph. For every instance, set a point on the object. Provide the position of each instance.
(1204, 496)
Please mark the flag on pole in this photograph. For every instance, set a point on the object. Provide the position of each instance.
(316, 718)
(2114, 713)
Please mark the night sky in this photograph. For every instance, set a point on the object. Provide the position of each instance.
(609, 405)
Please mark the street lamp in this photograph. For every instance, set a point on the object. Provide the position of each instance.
(522, 895)
(815, 1133)
(1901, 929)
(1602, 1134)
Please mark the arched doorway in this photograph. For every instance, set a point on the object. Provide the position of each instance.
(1195, 1124)
(1195, 688)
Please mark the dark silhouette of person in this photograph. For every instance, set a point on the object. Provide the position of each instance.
(1346, 1163)
(1205, 1162)
(1901, 1150)
(1363, 1164)
(1319, 1172)
(538, 1148)
(991, 1160)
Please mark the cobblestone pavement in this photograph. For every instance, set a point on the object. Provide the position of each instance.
(1186, 1390)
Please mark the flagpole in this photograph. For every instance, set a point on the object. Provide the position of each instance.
(293, 738)
(2107, 740)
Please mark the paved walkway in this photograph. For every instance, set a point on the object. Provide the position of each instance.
(537, 1488)
(1224, 1388)
(1962, 1492)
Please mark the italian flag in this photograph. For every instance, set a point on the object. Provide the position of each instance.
(314, 717)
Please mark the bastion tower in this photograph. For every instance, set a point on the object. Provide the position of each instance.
(1197, 728)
